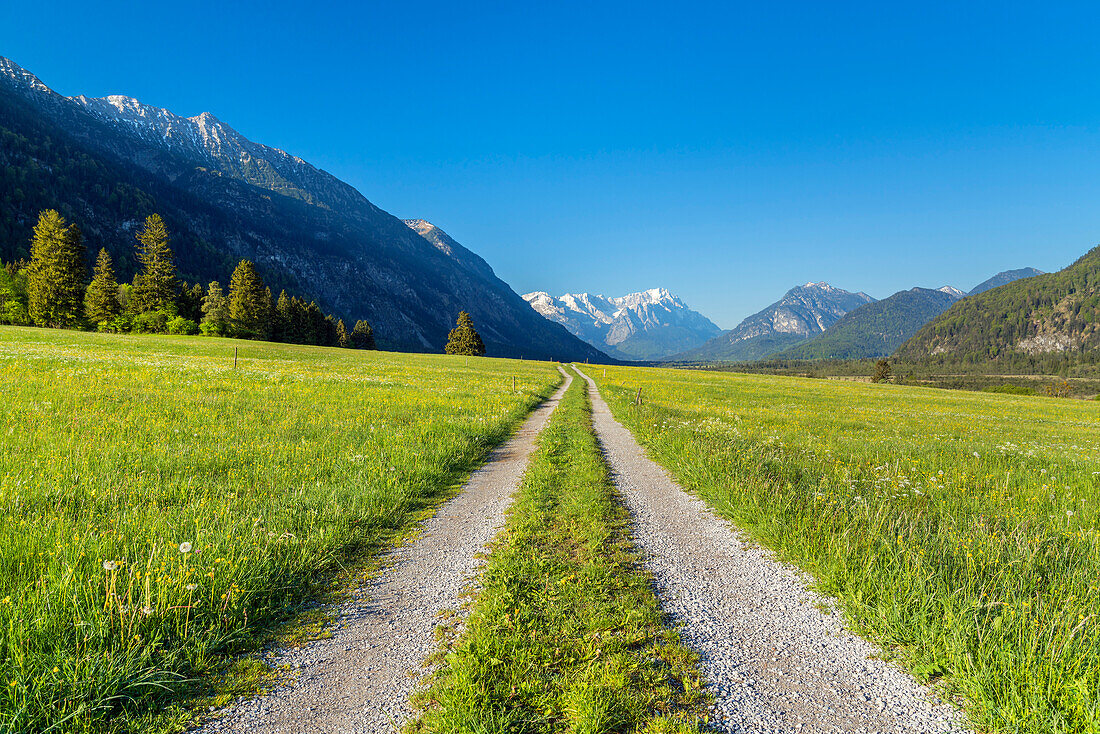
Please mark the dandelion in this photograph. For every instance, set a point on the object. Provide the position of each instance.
(192, 587)
(185, 547)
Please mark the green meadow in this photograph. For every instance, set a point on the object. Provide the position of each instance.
(957, 529)
(161, 506)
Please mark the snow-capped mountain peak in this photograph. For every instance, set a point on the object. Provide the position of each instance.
(649, 324)
(952, 291)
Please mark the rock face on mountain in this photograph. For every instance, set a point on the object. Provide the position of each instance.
(649, 325)
(1004, 278)
(803, 312)
(1024, 319)
(107, 163)
(877, 329)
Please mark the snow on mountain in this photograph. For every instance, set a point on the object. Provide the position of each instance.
(647, 325)
(952, 291)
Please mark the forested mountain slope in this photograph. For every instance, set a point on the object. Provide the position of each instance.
(1052, 313)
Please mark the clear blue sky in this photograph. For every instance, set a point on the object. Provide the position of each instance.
(726, 151)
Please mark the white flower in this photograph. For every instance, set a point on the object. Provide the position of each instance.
(192, 587)
(185, 547)
(976, 455)
(109, 565)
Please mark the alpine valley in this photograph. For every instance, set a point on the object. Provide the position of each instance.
(107, 163)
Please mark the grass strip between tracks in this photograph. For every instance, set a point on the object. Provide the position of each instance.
(566, 634)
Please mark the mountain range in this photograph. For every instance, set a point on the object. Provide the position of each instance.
(801, 313)
(649, 325)
(106, 163)
(876, 329)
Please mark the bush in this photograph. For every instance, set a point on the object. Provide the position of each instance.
(118, 325)
(213, 328)
(180, 325)
(1012, 390)
(151, 322)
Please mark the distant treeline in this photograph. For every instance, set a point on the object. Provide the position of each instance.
(52, 289)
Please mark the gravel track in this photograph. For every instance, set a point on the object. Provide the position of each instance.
(360, 679)
(774, 661)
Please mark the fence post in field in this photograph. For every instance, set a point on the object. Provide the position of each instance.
(513, 383)
(638, 400)
(234, 358)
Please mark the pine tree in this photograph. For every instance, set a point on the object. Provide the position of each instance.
(281, 322)
(362, 336)
(101, 298)
(343, 339)
(882, 371)
(215, 307)
(56, 274)
(464, 339)
(155, 286)
(249, 303)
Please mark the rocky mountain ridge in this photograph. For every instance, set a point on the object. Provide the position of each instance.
(801, 313)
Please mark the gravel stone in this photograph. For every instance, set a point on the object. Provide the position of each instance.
(774, 661)
(360, 679)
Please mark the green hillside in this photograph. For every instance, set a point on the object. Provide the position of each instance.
(1056, 313)
(874, 329)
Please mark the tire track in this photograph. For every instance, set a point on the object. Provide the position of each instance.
(774, 661)
(360, 679)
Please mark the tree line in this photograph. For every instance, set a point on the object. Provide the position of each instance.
(53, 290)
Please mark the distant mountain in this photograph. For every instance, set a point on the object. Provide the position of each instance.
(1030, 316)
(877, 329)
(803, 312)
(649, 325)
(1004, 278)
(107, 163)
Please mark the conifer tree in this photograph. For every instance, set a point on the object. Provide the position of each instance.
(215, 308)
(155, 286)
(56, 274)
(362, 336)
(464, 339)
(281, 320)
(101, 298)
(189, 303)
(343, 339)
(249, 303)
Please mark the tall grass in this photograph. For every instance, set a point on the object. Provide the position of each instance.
(158, 506)
(959, 529)
(566, 634)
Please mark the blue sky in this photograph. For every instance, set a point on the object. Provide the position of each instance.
(726, 151)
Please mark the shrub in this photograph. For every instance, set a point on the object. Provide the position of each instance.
(151, 322)
(180, 325)
(1012, 390)
(118, 325)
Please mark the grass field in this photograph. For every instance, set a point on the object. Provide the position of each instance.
(959, 529)
(159, 508)
(566, 634)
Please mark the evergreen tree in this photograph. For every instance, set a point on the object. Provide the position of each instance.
(464, 339)
(56, 274)
(362, 336)
(156, 285)
(281, 321)
(101, 298)
(189, 303)
(249, 303)
(882, 371)
(343, 339)
(215, 307)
